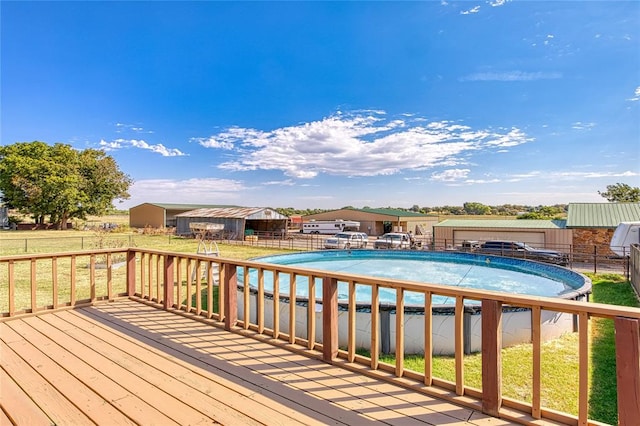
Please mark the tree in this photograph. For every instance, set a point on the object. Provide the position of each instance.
(621, 192)
(476, 208)
(59, 181)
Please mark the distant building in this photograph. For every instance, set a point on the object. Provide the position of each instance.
(593, 224)
(378, 221)
(538, 233)
(587, 225)
(237, 221)
(160, 215)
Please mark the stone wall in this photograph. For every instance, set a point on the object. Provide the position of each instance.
(584, 241)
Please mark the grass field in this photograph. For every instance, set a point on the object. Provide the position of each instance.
(559, 357)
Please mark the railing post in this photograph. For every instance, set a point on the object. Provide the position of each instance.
(131, 272)
(491, 357)
(628, 369)
(230, 302)
(167, 297)
(329, 318)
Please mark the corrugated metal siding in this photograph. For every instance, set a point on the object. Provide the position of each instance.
(235, 212)
(602, 215)
(559, 239)
(187, 207)
(146, 215)
(231, 225)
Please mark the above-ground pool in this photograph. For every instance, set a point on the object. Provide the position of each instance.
(458, 269)
(464, 270)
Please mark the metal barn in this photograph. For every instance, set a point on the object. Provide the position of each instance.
(161, 215)
(378, 221)
(538, 233)
(237, 221)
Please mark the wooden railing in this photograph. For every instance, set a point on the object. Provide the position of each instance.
(634, 267)
(209, 289)
(39, 282)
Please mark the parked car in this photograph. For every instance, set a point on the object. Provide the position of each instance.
(518, 249)
(347, 240)
(395, 240)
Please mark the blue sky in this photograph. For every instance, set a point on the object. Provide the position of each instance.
(329, 104)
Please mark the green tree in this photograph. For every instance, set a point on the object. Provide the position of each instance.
(59, 181)
(476, 208)
(621, 192)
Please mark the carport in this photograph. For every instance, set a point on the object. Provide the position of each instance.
(237, 221)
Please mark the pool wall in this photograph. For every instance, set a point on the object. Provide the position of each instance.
(516, 327)
(516, 322)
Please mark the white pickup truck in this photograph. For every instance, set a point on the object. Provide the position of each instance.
(395, 241)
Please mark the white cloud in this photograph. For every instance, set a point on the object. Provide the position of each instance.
(141, 144)
(459, 177)
(470, 11)
(497, 3)
(110, 146)
(450, 175)
(363, 144)
(548, 39)
(512, 76)
(578, 125)
(133, 128)
(636, 95)
(286, 182)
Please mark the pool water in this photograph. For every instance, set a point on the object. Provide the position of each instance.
(465, 270)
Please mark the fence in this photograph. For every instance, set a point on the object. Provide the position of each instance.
(585, 258)
(634, 268)
(208, 288)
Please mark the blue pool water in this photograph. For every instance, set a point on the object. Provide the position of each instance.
(454, 269)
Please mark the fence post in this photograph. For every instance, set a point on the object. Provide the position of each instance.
(329, 318)
(167, 299)
(131, 273)
(230, 301)
(491, 357)
(628, 369)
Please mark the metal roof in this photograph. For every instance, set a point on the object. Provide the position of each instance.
(503, 223)
(235, 213)
(393, 212)
(171, 206)
(601, 215)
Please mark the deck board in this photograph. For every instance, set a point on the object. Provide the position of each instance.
(125, 362)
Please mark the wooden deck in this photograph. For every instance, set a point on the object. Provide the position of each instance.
(128, 363)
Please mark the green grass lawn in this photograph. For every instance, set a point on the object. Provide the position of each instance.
(611, 289)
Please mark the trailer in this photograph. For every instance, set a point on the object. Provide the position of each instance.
(330, 227)
(626, 233)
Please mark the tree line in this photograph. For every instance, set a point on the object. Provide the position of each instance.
(467, 209)
(619, 192)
